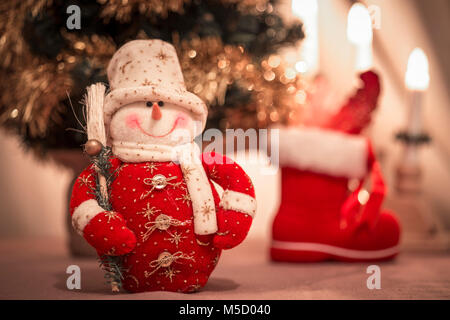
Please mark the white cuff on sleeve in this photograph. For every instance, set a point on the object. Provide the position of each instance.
(238, 201)
(84, 213)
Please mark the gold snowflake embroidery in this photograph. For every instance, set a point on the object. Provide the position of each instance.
(148, 211)
(170, 273)
(206, 210)
(162, 56)
(150, 166)
(185, 198)
(178, 184)
(85, 180)
(194, 287)
(111, 215)
(214, 174)
(175, 238)
(187, 172)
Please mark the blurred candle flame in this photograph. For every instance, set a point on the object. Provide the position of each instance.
(417, 75)
(304, 7)
(359, 25)
(359, 32)
(307, 11)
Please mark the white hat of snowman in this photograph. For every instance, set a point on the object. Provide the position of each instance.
(148, 70)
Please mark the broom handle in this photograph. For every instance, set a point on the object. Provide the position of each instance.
(96, 130)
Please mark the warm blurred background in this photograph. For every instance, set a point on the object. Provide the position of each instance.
(229, 56)
(43, 61)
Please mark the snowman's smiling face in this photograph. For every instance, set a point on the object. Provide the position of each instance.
(155, 122)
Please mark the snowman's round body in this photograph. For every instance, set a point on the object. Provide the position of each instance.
(168, 254)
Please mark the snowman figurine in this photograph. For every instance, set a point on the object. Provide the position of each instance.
(167, 219)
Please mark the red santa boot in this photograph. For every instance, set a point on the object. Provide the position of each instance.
(319, 218)
(167, 220)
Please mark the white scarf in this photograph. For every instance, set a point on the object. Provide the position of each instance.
(188, 155)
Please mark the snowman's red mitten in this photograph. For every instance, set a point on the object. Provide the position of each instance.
(106, 231)
(233, 228)
(237, 206)
(108, 234)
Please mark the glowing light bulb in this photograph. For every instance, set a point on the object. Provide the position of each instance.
(301, 66)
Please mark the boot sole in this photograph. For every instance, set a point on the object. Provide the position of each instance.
(316, 252)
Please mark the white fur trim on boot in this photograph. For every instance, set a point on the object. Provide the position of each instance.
(84, 213)
(334, 250)
(324, 151)
(238, 201)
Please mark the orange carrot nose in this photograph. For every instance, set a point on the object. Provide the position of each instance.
(156, 112)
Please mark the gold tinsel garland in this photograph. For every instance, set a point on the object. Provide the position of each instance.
(32, 97)
(38, 92)
(209, 67)
(122, 10)
(98, 49)
(34, 87)
(13, 49)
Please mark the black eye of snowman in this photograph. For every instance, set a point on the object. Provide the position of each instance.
(150, 104)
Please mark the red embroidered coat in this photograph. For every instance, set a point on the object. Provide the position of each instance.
(152, 221)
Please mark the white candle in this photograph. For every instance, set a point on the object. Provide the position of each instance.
(359, 33)
(417, 79)
(307, 11)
